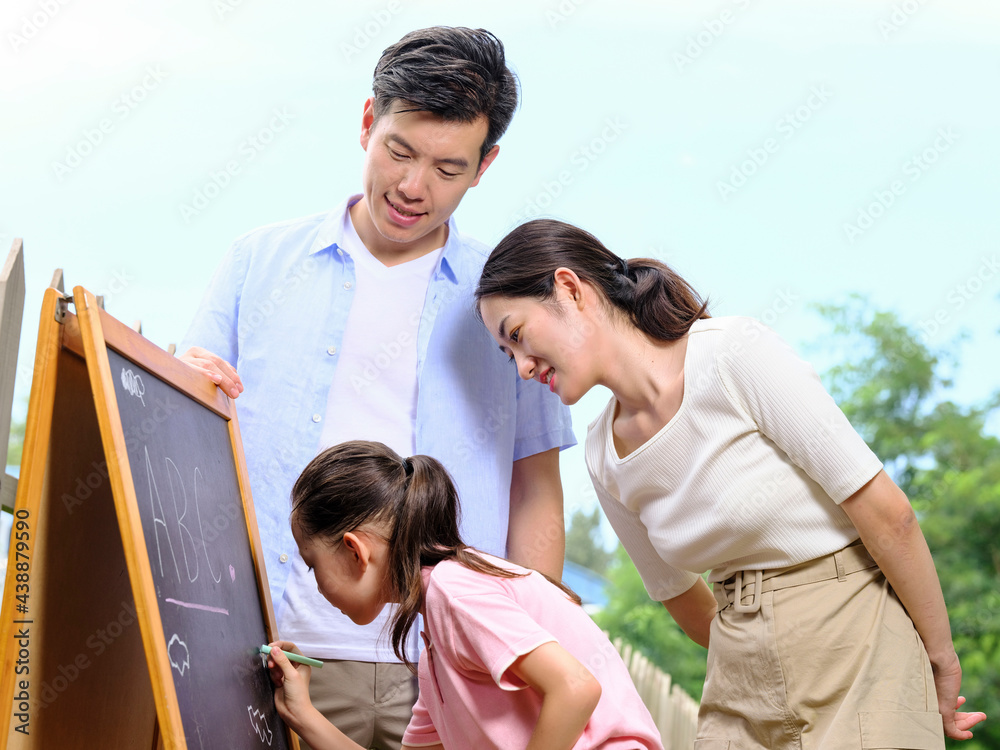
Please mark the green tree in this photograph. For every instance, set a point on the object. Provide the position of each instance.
(16, 443)
(940, 453)
(583, 541)
(644, 623)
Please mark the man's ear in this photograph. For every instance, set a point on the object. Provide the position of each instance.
(358, 551)
(487, 160)
(568, 286)
(367, 121)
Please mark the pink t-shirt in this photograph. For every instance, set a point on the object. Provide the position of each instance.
(476, 626)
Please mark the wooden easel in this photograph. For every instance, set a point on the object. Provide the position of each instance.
(86, 662)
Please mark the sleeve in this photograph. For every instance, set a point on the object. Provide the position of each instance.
(486, 632)
(215, 325)
(420, 731)
(543, 421)
(785, 398)
(662, 580)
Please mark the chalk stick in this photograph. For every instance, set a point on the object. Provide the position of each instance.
(295, 657)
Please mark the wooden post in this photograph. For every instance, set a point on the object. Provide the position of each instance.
(11, 311)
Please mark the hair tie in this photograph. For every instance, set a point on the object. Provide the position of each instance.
(407, 466)
(624, 267)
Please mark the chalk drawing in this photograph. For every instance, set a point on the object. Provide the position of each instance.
(177, 651)
(133, 384)
(256, 719)
(203, 607)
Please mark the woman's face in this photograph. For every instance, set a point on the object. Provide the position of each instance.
(548, 340)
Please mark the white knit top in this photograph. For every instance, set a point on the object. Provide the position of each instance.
(748, 474)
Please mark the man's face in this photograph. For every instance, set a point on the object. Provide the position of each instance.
(417, 168)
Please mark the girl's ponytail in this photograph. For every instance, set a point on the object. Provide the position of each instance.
(425, 532)
(412, 502)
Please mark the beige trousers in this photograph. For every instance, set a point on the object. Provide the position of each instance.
(819, 656)
(370, 703)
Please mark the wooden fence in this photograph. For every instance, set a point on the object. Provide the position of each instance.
(674, 711)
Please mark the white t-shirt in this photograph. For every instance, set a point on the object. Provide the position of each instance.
(748, 474)
(373, 397)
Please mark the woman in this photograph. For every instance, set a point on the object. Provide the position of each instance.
(720, 451)
(511, 659)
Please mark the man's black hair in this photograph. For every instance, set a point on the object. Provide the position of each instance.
(456, 73)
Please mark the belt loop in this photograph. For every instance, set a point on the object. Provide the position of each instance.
(754, 605)
(838, 559)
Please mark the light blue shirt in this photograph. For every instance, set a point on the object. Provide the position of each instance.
(276, 309)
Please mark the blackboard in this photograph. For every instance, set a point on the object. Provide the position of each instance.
(142, 594)
(189, 499)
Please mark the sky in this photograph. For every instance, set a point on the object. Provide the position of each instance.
(778, 154)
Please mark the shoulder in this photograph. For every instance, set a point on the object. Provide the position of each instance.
(450, 580)
(279, 235)
(732, 339)
(466, 254)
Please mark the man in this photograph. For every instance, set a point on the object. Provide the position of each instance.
(359, 323)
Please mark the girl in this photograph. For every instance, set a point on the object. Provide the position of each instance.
(511, 659)
(721, 451)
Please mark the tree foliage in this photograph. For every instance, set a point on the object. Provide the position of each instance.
(583, 541)
(637, 619)
(942, 456)
(15, 444)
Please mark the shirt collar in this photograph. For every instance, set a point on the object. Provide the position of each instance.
(331, 236)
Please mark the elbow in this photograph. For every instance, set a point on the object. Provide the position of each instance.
(588, 694)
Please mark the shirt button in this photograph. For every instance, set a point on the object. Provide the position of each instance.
(348, 285)
(331, 350)
(283, 558)
(316, 417)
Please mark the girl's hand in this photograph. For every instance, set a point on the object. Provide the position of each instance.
(569, 695)
(291, 697)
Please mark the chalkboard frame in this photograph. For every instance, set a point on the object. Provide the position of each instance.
(100, 331)
(82, 341)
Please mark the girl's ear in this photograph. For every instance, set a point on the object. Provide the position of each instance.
(358, 551)
(568, 286)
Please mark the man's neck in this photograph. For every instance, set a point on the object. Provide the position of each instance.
(387, 252)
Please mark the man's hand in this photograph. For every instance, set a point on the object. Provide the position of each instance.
(215, 369)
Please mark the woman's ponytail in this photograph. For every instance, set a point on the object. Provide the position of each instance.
(652, 296)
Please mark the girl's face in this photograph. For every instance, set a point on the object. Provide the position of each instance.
(348, 573)
(550, 341)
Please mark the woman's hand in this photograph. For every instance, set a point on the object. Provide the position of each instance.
(888, 527)
(948, 681)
